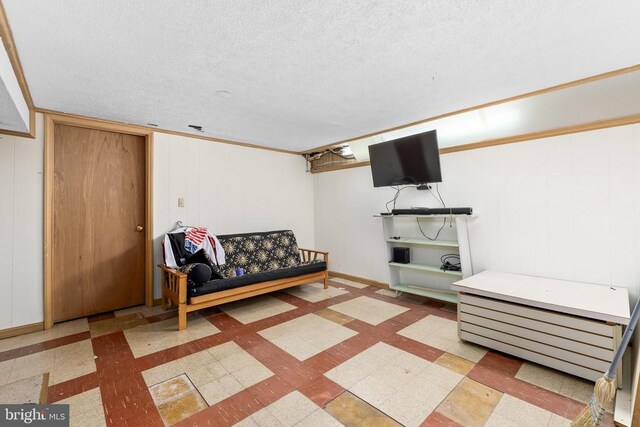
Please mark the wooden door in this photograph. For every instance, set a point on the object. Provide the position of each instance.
(98, 220)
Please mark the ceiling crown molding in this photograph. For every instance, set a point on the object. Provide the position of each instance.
(585, 80)
(12, 52)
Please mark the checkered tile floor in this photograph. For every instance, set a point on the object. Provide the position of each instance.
(350, 355)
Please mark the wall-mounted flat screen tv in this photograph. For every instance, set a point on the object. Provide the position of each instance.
(411, 160)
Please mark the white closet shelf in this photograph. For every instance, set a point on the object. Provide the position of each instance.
(426, 268)
(426, 242)
(426, 292)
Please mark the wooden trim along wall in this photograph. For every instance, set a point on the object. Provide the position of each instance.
(635, 417)
(585, 80)
(12, 52)
(21, 330)
(480, 144)
(359, 279)
(330, 168)
(49, 255)
(623, 121)
(603, 124)
(149, 261)
(171, 132)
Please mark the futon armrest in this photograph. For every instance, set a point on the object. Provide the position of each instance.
(314, 251)
(174, 285)
(312, 255)
(171, 270)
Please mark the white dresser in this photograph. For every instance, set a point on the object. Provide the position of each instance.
(569, 326)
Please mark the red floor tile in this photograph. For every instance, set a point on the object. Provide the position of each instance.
(414, 347)
(322, 362)
(445, 314)
(322, 391)
(125, 396)
(436, 419)
(294, 300)
(72, 387)
(410, 317)
(224, 322)
(268, 391)
(502, 363)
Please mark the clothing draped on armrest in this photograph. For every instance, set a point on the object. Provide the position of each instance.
(184, 241)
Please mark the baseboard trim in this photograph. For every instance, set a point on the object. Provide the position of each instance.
(157, 301)
(21, 330)
(359, 279)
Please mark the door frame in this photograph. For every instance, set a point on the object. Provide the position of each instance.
(50, 120)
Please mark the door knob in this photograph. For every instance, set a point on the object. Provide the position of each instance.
(139, 228)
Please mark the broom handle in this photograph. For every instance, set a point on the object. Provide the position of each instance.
(625, 340)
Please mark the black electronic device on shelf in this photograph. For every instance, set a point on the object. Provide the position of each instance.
(433, 211)
(401, 255)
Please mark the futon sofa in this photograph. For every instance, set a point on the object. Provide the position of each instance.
(270, 261)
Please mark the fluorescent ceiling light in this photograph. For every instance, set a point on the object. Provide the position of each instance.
(360, 147)
(463, 125)
(346, 150)
(500, 117)
(463, 128)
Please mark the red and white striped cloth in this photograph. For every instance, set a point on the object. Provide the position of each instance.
(194, 237)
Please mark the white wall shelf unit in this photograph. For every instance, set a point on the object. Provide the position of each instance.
(424, 275)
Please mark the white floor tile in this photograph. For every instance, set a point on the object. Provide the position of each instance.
(292, 408)
(257, 308)
(85, 409)
(315, 292)
(154, 337)
(307, 335)
(442, 334)
(520, 412)
(369, 310)
(350, 282)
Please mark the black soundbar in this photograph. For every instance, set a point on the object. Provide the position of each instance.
(433, 211)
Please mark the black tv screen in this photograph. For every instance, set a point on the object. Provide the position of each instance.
(410, 160)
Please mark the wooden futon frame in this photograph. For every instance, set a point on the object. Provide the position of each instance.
(174, 288)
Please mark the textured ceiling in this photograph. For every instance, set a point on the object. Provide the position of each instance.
(308, 73)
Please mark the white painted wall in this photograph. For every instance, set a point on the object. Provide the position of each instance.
(21, 213)
(226, 188)
(229, 189)
(566, 207)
